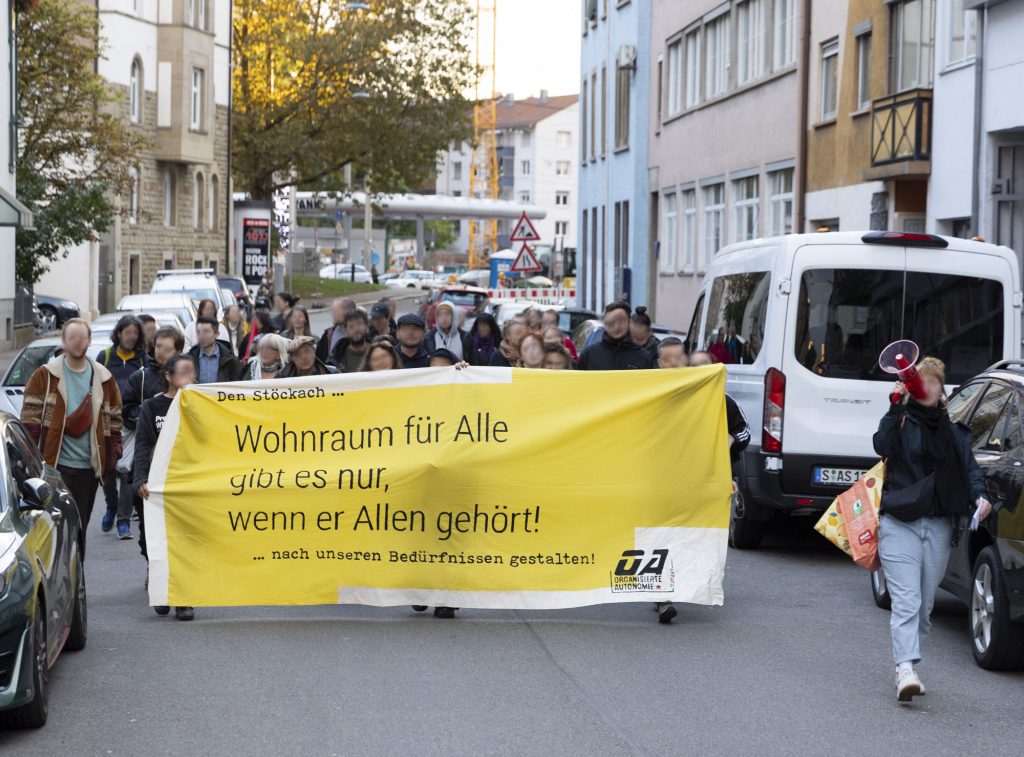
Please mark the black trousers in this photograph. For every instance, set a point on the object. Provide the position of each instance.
(83, 484)
(110, 482)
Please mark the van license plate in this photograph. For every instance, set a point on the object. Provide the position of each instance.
(836, 476)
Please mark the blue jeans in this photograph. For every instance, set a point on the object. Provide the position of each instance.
(914, 557)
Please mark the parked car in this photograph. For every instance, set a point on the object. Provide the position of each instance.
(103, 325)
(242, 295)
(31, 356)
(42, 584)
(986, 568)
(810, 314)
(480, 277)
(570, 318)
(346, 272)
(471, 301)
(413, 280)
(506, 307)
(197, 283)
(58, 307)
(179, 303)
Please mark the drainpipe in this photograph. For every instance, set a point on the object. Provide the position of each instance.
(804, 73)
(979, 80)
(229, 203)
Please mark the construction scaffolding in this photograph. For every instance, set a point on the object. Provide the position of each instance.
(483, 178)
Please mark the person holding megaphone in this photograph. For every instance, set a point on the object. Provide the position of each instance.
(931, 482)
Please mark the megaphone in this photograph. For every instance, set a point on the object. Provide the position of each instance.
(900, 358)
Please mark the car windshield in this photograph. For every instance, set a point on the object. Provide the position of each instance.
(846, 317)
(464, 299)
(26, 363)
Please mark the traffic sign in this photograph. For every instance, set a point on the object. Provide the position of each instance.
(526, 262)
(524, 231)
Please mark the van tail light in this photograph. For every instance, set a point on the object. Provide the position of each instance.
(774, 404)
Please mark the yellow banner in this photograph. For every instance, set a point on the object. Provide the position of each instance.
(484, 487)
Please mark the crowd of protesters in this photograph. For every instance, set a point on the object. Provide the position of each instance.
(98, 421)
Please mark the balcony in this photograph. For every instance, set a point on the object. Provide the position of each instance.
(901, 128)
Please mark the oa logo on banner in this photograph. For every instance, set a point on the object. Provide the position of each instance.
(638, 572)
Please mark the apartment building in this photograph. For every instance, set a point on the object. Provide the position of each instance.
(723, 136)
(613, 257)
(171, 59)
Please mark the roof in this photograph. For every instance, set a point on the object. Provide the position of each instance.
(528, 112)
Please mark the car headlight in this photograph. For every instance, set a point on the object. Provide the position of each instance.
(69, 305)
(7, 576)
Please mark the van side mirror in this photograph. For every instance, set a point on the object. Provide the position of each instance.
(36, 494)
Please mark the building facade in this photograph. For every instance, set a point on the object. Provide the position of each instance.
(538, 164)
(171, 61)
(723, 142)
(614, 241)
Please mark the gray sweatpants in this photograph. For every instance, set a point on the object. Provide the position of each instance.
(914, 557)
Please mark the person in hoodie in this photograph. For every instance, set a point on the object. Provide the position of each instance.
(411, 334)
(72, 410)
(482, 341)
(143, 385)
(616, 351)
(350, 351)
(213, 358)
(176, 373)
(125, 357)
(447, 335)
(271, 357)
(302, 359)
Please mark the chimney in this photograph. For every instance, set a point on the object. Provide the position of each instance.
(543, 97)
(510, 100)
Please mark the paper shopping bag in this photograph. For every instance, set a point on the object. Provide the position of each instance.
(851, 522)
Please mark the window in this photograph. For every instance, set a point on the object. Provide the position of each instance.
(911, 39)
(561, 228)
(622, 96)
(604, 110)
(524, 197)
(169, 199)
(1005, 431)
(674, 85)
(524, 168)
(669, 234)
(135, 92)
(963, 33)
(133, 195)
(693, 69)
(694, 331)
(562, 168)
(593, 118)
(190, 12)
(829, 79)
(983, 422)
(201, 11)
(457, 171)
(737, 310)
(780, 201)
(196, 121)
(716, 46)
(198, 201)
(563, 139)
(746, 208)
(784, 41)
(688, 229)
(583, 121)
(561, 198)
(750, 41)
(214, 214)
(863, 71)
(846, 317)
(714, 221)
(962, 400)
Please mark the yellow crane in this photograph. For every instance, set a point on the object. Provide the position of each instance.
(483, 175)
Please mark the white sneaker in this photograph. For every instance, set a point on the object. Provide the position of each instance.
(908, 686)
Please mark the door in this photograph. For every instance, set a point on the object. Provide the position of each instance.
(105, 284)
(1009, 203)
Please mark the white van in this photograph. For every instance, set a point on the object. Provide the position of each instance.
(800, 321)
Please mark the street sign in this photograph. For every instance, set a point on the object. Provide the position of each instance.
(524, 231)
(374, 258)
(526, 262)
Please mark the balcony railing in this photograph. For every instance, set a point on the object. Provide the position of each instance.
(901, 127)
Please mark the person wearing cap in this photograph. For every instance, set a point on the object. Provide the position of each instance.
(302, 359)
(348, 354)
(446, 335)
(380, 321)
(411, 333)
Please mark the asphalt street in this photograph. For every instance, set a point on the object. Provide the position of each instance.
(797, 662)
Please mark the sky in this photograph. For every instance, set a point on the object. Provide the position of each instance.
(538, 47)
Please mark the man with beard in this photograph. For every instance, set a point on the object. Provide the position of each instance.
(72, 410)
(411, 331)
(347, 355)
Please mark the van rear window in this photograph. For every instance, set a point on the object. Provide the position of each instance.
(846, 317)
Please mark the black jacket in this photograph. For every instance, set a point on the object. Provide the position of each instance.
(899, 439)
(291, 370)
(420, 360)
(120, 369)
(229, 368)
(142, 385)
(323, 345)
(738, 428)
(614, 355)
(151, 421)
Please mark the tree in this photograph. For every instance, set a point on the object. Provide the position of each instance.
(74, 152)
(319, 84)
